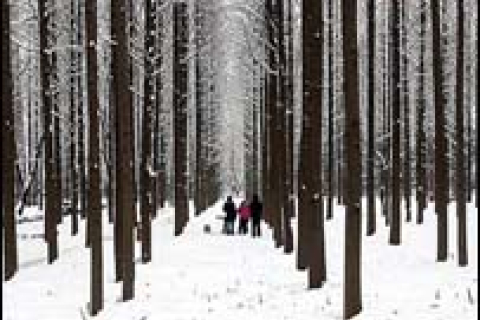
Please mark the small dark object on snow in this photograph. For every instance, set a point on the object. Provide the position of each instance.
(206, 228)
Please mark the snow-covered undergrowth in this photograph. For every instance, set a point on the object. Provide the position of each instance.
(214, 276)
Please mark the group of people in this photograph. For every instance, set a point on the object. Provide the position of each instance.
(246, 212)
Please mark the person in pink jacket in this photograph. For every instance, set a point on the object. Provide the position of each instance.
(244, 213)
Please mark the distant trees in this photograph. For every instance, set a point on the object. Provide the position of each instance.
(110, 113)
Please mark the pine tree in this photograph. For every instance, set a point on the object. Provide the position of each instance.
(353, 223)
(460, 142)
(371, 209)
(310, 193)
(94, 193)
(51, 195)
(180, 82)
(125, 215)
(441, 166)
(8, 150)
(395, 228)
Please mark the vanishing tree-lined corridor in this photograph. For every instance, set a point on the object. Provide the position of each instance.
(124, 108)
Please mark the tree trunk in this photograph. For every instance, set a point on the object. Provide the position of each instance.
(441, 166)
(311, 197)
(371, 210)
(460, 143)
(147, 192)
(406, 121)
(421, 186)
(8, 150)
(125, 214)
(395, 227)
(51, 196)
(353, 222)
(94, 191)
(180, 82)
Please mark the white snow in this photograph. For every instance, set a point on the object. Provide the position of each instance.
(214, 276)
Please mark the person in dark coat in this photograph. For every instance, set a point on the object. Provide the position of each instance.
(256, 208)
(244, 213)
(230, 215)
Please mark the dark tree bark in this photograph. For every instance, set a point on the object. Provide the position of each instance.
(441, 166)
(395, 227)
(371, 209)
(407, 191)
(51, 195)
(199, 165)
(8, 151)
(289, 204)
(73, 126)
(180, 81)
(353, 223)
(460, 143)
(421, 187)
(331, 105)
(311, 197)
(94, 191)
(147, 192)
(81, 114)
(125, 215)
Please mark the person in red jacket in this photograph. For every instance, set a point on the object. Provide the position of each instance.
(244, 213)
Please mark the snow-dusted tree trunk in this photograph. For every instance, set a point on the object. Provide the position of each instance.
(352, 301)
(8, 150)
(94, 215)
(441, 165)
(180, 85)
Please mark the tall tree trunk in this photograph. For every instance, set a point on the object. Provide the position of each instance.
(331, 105)
(441, 166)
(180, 82)
(353, 222)
(421, 186)
(395, 227)
(406, 105)
(51, 195)
(311, 197)
(73, 126)
(8, 150)
(460, 143)
(147, 192)
(125, 214)
(199, 165)
(94, 191)
(81, 114)
(289, 205)
(371, 210)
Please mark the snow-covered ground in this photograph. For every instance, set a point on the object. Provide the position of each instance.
(213, 276)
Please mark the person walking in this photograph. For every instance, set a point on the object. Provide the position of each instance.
(244, 213)
(230, 215)
(256, 208)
